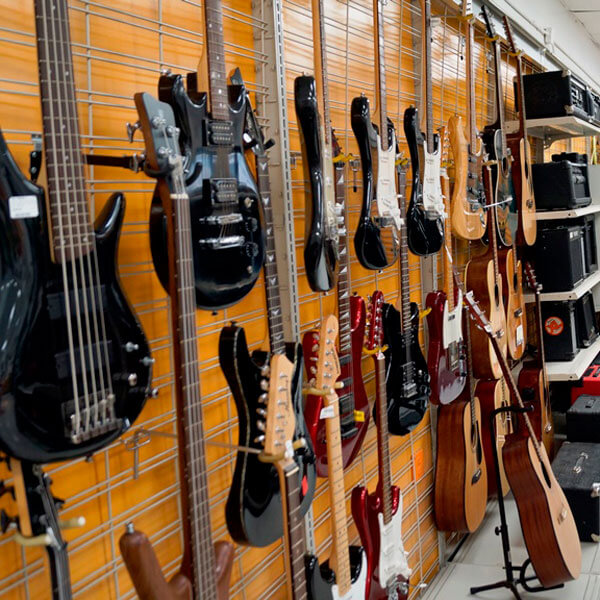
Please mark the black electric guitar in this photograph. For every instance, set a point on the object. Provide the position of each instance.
(311, 95)
(227, 216)
(253, 508)
(376, 240)
(407, 376)
(425, 218)
(74, 362)
(496, 146)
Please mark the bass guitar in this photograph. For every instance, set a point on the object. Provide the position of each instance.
(496, 147)
(376, 239)
(378, 516)
(311, 96)
(227, 214)
(407, 377)
(204, 572)
(75, 366)
(483, 277)
(468, 197)
(520, 150)
(533, 377)
(446, 355)
(354, 404)
(461, 479)
(253, 508)
(425, 219)
(548, 526)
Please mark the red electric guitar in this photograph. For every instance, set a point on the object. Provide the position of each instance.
(378, 516)
(354, 405)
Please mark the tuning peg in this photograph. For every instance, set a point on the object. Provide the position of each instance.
(315, 348)
(72, 523)
(263, 398)
(261, 412)
(260, 425)
(313, 370)
(6, 521)
(314, 359)
(264, 385)
(265, 370)
(259, 439)
(131, 129)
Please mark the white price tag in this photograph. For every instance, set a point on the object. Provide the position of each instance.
(23, 207)
(519, 335)
(327, 412)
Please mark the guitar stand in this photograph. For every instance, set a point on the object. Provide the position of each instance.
(515, 574)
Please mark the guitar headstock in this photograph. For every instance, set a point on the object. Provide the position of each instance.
(374, 328)
(466, 8)
(531, 279)
(327, 367)
(477, 314)
(280, 422)
(489, 22)
(509, 35)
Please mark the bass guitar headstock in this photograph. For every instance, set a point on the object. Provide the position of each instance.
(489, 23)
(531, 278)
(477, 314)
(509, 35)
(374, 326)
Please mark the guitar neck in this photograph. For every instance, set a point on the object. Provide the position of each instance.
(213, 19)
(492, 199)
(521, 99)
(403, 304)
(320, 62)
(500, 121)
(70, 224)
(427, 33)
(380, 71)
(447, 254)
(469, 42)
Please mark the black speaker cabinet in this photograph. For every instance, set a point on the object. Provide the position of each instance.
(560, 330)
(585, 319)
(561, 184)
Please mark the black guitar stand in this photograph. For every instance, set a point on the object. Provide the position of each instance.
(515, 574)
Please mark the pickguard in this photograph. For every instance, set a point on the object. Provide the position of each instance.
(392, 557)
(452, 323)
(359, 587)
(387, 198)
(433, 201)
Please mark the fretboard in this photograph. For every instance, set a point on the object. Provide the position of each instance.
(499, 95)
(320, 62)
(470, 378)
(404, 277)
(213, 18)
(471, 87)
(427, 33)
(492, 197)
(380, 72)
(383, 443)
(71, 227)
(521, 101)
(447, 255)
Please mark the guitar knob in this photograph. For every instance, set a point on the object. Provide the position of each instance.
(251, 249)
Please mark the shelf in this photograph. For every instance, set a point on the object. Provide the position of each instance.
(556, 128)
(579, 290)
(570, 213)
(573, 369)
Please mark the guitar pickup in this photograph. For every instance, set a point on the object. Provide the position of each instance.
(221, 243)
(231, 219)
(432, 215)
(223, 191)
(384, 221)
(220, 133)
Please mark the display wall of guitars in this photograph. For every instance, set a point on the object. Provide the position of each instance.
(227, 214)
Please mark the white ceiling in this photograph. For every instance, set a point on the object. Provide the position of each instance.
(588, 12)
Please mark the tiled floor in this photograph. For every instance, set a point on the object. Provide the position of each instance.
(479, 561)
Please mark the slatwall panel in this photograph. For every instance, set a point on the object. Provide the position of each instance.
(119, 47)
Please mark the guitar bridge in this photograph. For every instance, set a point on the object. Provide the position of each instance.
(221, 243)
(94, 418)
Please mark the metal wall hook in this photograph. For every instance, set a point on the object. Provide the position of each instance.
(140, 438)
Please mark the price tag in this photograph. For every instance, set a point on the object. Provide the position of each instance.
(23, 207)
(327, 412)
(359, 416)
(519, 335)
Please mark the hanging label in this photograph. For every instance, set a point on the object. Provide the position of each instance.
(23, 207)
(327, 412)
(519, 335)
(359, 416)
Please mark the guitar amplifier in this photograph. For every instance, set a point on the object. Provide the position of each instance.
(587, 223)
(590, 384)
(561, 184)
(595, 108)
(585, 317)
(560, 330)
(577, 470)
(559, 256)
(555, 94)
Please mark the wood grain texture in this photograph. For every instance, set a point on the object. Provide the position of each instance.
(514, 301)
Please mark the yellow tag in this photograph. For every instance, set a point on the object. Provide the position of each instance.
(359, 416)
(424, 312)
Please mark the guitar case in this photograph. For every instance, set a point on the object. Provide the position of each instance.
(577, 470)
(583, 419)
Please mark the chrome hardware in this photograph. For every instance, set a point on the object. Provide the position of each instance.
(132, 379)
(131, 347)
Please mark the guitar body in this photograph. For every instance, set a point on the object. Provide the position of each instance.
(354, 397)
(548, 526)
(407, 377)
(382, 543)
(531, 386)
(446, 358)
(461, 487)
(425, 235)
(36, 388)
(226, 209)
(253, 509)
(320, 248)
(359, 574)
(468, 216)
(318, 588)
(480, 278)
(494, 394)
(516, 318)
(523, 186)
(376, 248)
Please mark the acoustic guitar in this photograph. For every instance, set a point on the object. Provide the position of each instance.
(204, 572)
(548, 526)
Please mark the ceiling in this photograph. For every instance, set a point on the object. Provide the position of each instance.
(588, 12)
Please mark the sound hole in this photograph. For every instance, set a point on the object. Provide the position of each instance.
(546, 476)
(497, 295)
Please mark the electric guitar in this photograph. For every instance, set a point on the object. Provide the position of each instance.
(468, 197)
(407, 377)
(303, 576)
(347, 569)
(483, 277)
(533, 377)
(521, 152)
(548, 526)
(253, 508)
(354, 404)
(227, 215)
(378, 516)
(446, 355)
(75, 366)
(425, 218)
(311, 95)
(461, 479)
(204, 572)
(376, 239)
(496, 147)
